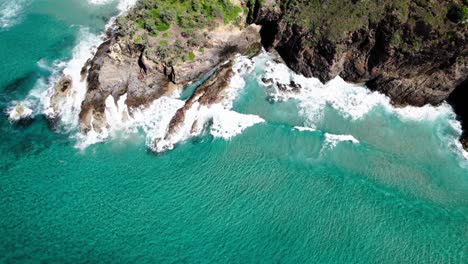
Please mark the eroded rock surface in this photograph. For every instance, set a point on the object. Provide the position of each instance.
(412, 51)
(121, 66)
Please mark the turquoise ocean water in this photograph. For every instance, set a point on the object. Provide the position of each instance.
(272, 194)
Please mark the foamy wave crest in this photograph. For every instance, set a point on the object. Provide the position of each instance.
(221, 121)
(28, 107)
(18, 111)
(351, 101)
(302, 129)
(217, 119)
(453, 139)
(123, 5)
(332, 140)
(9, 12)
(153, 120)
(67, 108)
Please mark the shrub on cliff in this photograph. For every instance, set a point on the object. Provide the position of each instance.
(458, 13)
(157, 15)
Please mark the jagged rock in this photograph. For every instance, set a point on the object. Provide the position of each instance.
(210, 92)
(141, 61)
(84, 70)
(119, 64)
(61, 89)
(399, 52)
(169, 72)
(267, 81)
(63, 85)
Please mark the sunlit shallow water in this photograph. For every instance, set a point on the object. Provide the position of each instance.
(274, 193)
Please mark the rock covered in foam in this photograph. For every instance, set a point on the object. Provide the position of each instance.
(168, 120)
(18, 112)
(210, 108)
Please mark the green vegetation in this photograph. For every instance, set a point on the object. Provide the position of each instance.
(140, 23)
(138, 40)
(191, 56)
(171, 28)
(160, 27)
(158, 15)
(458, 13)
(336, 18)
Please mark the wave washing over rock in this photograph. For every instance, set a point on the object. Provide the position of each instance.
(62, 102)
(41, 100)
(123, 5)
(351, 101)
(169, 120)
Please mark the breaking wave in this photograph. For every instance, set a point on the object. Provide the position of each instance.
(123, 5)
(217, 119)
(351, 101)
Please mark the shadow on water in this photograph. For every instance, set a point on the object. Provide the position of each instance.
(20, 83)
(28, 137)
(457, 100)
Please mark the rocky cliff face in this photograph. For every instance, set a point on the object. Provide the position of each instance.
(145, 66)
(413, 51)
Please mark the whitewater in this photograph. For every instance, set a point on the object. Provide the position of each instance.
(351, 101)
(329, 173)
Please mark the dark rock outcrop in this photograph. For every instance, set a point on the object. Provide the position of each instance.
(210, 92)
(408, 50)
(147, 70)
(458, 99)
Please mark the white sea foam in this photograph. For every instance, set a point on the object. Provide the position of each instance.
(302, 129)
(123, 5)
(39, 99)
(10, 11)
(19, 111)
(28, 107)
(221, 120)
(454, 142)
(332, 140)
(68, 108)
(154, 119)
(351, 101)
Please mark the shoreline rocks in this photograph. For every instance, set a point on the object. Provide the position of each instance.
(411, 52)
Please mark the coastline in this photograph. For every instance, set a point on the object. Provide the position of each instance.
(91, 102)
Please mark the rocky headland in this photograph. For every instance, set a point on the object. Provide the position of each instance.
(413, 51)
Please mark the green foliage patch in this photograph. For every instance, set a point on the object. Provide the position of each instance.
(158, 15)
(335, 18)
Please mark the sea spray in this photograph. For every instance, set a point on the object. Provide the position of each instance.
(331, 140)
(154, 119)
(352, 101)
(67, 109)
